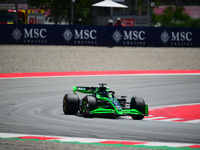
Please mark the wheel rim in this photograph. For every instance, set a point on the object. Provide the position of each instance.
(84, 108)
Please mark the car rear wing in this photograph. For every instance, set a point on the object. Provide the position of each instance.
(84, 89)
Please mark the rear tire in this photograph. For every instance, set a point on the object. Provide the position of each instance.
(89, 103)
(138, 104)
(70, 104)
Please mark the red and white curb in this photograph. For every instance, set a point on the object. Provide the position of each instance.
(98, 73)
(94, 141)
(185, 113)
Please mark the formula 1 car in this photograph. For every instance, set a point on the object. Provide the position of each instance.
(100, 101)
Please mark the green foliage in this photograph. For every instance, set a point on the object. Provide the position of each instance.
(83, 10)
(167, 17)
(175, 17)
(61, 10)
(155, 19)
(157, 3)
(194, 23)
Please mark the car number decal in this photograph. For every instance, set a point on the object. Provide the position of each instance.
(116, 104)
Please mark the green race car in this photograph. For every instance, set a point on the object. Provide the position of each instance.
(100, 101)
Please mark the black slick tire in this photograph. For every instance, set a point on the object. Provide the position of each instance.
(138, 104)
(70, 104)
(89, 103)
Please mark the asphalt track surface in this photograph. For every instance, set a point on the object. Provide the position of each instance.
(34, 106)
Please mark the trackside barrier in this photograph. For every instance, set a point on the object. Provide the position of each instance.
(99, 36)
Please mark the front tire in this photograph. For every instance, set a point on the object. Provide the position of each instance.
(138, 104)
(89, 103)
(70, 104)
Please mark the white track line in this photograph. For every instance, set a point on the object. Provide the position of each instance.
(193, 121)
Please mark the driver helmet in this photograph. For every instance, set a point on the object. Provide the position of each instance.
(102, 91)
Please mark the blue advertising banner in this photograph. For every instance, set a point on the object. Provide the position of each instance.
(99, 35)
